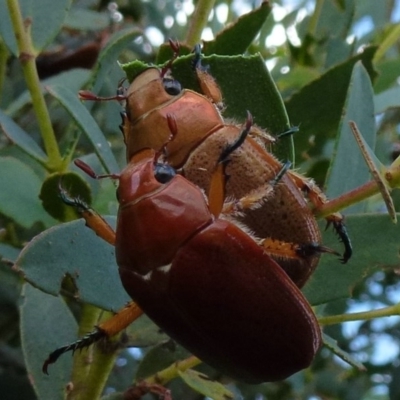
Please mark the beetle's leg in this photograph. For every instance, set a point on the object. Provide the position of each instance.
(93, 220)
(216, 194)
(107, 329)
(255, 198)
(175, 48)
(318, 198)
(287, 250)
(208, 85)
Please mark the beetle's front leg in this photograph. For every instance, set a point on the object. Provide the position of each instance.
(318, 198)
(106, 329)
(93, 219)
(123, 317)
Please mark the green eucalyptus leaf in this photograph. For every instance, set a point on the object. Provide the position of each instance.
(69, 100)
(237, 37)
(74, 79)
(21, 138)
(108, 55)
(19, 198)
(40, 14)
(332, 345)
(348, 168)
(375, 247)
(75, 251)
(318, 106)
(46, 324)
(160, 357)
(202, 384)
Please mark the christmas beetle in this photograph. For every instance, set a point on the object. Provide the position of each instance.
(202, 133)
(201, 275)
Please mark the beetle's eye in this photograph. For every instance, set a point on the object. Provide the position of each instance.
(163, 172)
(172, 86)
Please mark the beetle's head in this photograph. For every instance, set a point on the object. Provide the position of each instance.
(143, 176)
(149, 90)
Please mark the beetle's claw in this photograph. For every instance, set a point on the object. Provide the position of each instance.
(80, 344)
(341, 230)
(310, 249)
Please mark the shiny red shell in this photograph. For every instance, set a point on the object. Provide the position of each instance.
(206, 282)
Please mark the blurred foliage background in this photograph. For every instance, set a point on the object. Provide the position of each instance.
(311, 49)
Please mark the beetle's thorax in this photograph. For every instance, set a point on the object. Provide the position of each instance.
(148, 105)
(137, 179)
(155, 219)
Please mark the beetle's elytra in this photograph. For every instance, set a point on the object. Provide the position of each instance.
(202, 133)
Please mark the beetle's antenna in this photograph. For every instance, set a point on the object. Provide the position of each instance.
(87, 95)
(89, 171)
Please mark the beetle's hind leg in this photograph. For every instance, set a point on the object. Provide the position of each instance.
(318, 198)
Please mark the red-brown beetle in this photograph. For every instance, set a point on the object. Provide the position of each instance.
(202, 277)
(202, 133)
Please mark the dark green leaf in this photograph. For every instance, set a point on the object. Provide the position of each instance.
(73, 183)
(237, 37)
(388, 72)
(318, 106)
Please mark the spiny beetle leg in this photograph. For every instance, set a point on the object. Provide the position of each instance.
(216, 194)
(255, 198)
(228, 150)
(318, 198)
(208, 85)
(175, 48)
(286, 250)
(93, 220)
(82, 343)
(107, 329)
